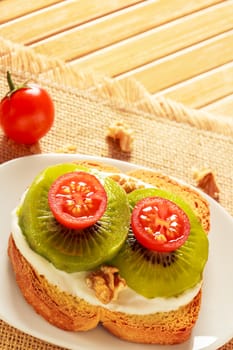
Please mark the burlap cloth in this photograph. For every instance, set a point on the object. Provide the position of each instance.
(167, 135)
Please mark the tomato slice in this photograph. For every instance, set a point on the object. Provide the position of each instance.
(159, 224)
(77, 199)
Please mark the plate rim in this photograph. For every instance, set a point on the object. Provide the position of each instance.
(116, 162)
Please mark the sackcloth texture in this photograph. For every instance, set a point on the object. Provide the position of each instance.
(168, 136)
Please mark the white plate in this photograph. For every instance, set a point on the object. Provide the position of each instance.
(215, 324)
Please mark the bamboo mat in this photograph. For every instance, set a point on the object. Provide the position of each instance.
(194, 66)
(167, 135)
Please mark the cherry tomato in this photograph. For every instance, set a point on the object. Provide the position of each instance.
(159, 224)
(26, 113)
(77, 199)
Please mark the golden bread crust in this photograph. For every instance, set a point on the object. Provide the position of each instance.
(171, 327)
(57, 307)
(75, 314)
(98, 165)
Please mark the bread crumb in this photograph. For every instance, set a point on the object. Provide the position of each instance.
(123, 133)
(205, 179)
(69, 148)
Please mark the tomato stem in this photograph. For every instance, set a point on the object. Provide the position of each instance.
(10, 81)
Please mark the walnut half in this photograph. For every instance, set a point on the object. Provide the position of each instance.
(206, 181)
(127, 183)
(106, 283)
(123, 133)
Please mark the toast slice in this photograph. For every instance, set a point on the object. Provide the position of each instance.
(72, 313)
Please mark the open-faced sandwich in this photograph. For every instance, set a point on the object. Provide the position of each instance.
(90, 245)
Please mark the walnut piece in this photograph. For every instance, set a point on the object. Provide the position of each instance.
(123, 133)
(127, 183)
(106, 283)
(206, 181)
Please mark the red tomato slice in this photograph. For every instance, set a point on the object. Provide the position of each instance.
(159, 224)
(77, 199)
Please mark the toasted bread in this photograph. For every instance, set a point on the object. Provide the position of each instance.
(72, 313)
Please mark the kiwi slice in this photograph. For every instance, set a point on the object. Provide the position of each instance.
(69, 249)
(153, 274)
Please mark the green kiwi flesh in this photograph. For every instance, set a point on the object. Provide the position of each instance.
(153, 274)
(68, 249)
